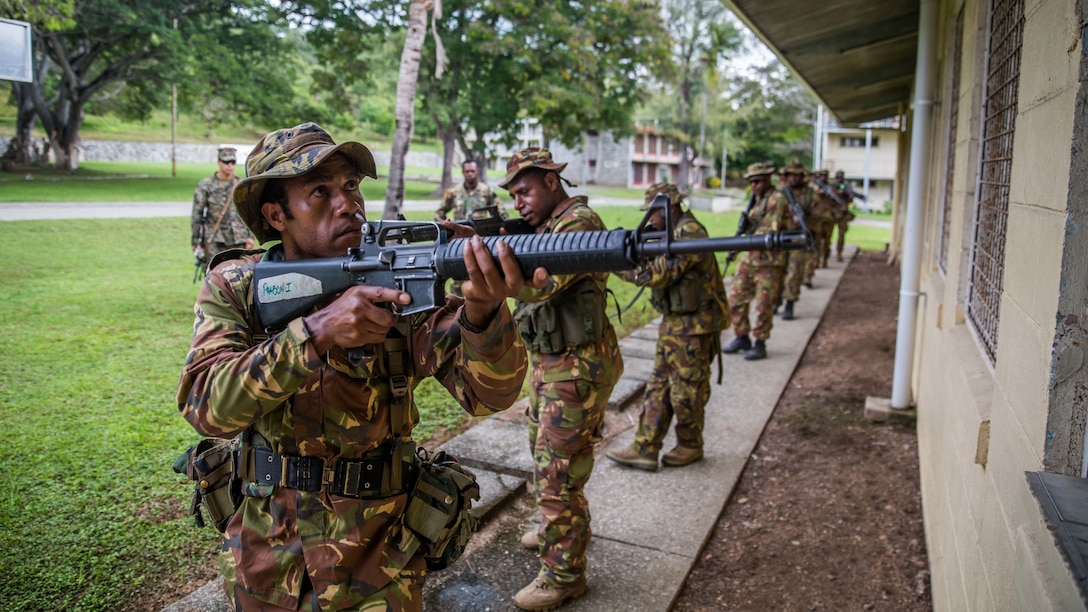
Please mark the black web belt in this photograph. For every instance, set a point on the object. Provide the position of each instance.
(358, 478)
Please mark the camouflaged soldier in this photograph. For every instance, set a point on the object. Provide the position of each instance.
(574, 361)
(795, 187)
(759, 273)
(823, 223)
(843, 215)
(215, 222)
(464, 198)
(689, 293)
(307, 534)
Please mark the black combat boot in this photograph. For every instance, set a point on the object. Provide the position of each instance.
(787, 312)
(777, 305)
(740, 343)
(758, 351)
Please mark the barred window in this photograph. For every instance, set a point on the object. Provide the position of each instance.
(953, 118)
(858, 142)
(992, 208)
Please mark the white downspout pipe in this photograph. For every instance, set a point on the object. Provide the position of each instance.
(917, 189)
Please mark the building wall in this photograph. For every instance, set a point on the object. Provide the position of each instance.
(982, 425)
(851, 160)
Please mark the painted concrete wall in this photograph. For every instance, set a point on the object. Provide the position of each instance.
(851, 160)
(982, 425)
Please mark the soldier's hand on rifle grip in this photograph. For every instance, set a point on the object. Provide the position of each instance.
(487, 288)
(357, 318)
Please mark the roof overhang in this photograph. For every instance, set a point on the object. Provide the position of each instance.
(856, 56)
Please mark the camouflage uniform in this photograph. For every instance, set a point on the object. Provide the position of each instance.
(686, 345)
(799, 261)
(759, 273)
(462, 202)
(211, 201)
(842, 214)
(568, 392)
(288, 547)
(822, 224)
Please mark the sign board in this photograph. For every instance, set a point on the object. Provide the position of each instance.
(15, 53)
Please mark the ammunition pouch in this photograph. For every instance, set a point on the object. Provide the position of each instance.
(576, 317)
(210, 465)
(683, 296)
(439, 506)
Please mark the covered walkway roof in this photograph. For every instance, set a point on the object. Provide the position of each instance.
(856, 56)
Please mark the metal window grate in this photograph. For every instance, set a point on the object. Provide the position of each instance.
(992, 210)
(953, 118)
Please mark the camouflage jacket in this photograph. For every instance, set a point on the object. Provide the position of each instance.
(823, 209)
(600, 361)
(771, 213)
(211, 200)
(318, 405)
(662, 271)
(461, 202)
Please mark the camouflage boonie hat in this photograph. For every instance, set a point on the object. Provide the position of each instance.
(794, 167)
(757, 170)
(823, 171)
(840, 174)
(285, 154)
(675, 197)
(228, 154)
(530, 157)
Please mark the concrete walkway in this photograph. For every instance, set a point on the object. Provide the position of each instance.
(648, 528)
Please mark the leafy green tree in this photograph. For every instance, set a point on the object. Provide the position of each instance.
(122, 53)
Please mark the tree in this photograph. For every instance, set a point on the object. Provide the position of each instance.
(703, 36)
(113, 44)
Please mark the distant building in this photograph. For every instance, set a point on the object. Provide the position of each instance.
(869, 156)
(651, 156)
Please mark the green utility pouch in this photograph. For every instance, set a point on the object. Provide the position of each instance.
(575, 317)
(681, 297)
(439, 508)
(210, 465)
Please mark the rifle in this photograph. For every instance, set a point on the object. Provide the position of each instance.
(742, 228)
(850, 190)
(799, 214)
(289, 289)
(486, 221)
(829, 191)
(201, 263)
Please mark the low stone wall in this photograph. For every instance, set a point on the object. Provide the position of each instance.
(116, 150)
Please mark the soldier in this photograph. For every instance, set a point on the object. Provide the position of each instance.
(307, 535)
(464, 198)
(823, 223)
(795, 187)
(216, 224)
(759, 273)
(689, 293)
(574, 361)
(843, 216)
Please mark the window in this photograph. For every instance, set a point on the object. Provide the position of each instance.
(992, 207)
(953, 117)
(858, 142)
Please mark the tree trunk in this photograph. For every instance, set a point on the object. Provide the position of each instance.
(406, 95)
(449, 143)
(20, 149)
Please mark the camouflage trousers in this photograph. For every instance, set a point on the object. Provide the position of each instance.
(404, 593)
(680, 386)
(795, 274)
(565, 419)
(840, 241)
(758, 284)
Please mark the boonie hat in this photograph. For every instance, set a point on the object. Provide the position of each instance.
(840, 173)
(794, 167)
(285, 154)
(228, 154)
(675, 197)
(757, 170)
(529, 157)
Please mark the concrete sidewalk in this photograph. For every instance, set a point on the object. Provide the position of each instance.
(648, 528)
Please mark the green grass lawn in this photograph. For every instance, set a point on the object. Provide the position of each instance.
(95, 326)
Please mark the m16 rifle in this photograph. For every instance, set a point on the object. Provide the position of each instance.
(742, 229)
(829, 191)
(799, 215)
(848, 188)
(201, 263)
(387, 256)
